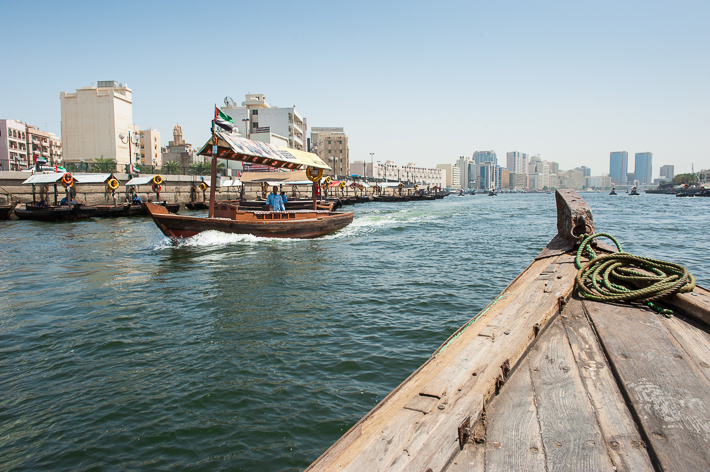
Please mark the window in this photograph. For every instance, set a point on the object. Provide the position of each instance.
(254, 112)
(329, 151)
(329, 141)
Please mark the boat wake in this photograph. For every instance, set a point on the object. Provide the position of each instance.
(215, 238)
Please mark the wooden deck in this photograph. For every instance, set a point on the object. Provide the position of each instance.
(541, 380)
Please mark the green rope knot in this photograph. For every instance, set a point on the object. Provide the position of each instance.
(600, 278)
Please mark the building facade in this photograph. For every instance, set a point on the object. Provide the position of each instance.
(464, 174)
(13, 145)
(667, 172)
(92, 120)
(517, 162)
(643, 168)
(447, 168)
(256, 113)
(331, 145)
(391, 172)
(618, 166)
(151, 150)
(516, 181)
(479, 157)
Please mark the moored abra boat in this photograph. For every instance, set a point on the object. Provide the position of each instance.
(230, 218)
(6, 210)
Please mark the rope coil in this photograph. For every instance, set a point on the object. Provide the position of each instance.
(599, 278)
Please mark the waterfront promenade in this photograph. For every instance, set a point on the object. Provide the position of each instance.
(120, 351)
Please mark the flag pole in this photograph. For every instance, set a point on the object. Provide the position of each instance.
(213, 183)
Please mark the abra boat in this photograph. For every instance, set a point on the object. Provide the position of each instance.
(6, 210)
(230, 218)
(42, 210)
(634, 192)
(613, 191)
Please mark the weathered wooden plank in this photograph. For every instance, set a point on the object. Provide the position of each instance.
(695, 304)
(623, 442)
(670, 396)
(513, 440)
(571, 436)
(695, 340)
(471, 459)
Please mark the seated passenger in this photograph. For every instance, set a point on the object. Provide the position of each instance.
(136, 200)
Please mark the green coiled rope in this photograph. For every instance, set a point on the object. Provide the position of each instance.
(599, 279)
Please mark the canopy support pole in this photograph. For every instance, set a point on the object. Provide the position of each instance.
(213, 185)
(315, 203)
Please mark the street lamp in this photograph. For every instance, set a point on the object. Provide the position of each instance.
(128, 140)
(246, 128)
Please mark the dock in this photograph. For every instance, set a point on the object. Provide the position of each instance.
(543, 379)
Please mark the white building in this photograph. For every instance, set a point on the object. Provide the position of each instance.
(410, 173)
(598, 182)
(13, 145)
(455, 177)
(92, 120)
(517, 162)
(448, 169)
(256, 115)
(464, 175)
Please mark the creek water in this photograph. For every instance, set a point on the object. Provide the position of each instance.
(121, 351)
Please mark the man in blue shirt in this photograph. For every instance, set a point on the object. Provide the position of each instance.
(275, 200)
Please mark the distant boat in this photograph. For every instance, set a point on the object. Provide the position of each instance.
(634, 192)
(613, 191)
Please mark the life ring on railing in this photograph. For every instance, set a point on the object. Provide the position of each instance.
(400, 186)
(313, 174)
(353, 185)
(328, 180)
(203, 186)
(361, 187)
(112, 184)
(342, 184)
(157, 180)
(67, 180)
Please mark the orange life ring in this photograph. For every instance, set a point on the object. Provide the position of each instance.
(310, 174)
(67, 179)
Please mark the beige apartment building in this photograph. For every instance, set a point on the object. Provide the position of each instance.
(38, 145)
(448, 169)
(331, 145)
(151, 152)
(93, 118)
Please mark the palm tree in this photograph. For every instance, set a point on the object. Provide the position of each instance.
(204, 168)
(172, 167)
(101, 164)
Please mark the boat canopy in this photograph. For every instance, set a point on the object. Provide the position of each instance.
(52, 178)
(231, 183)
(92, 178)
(142, 180)
(236, 148)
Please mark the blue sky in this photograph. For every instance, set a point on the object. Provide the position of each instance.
(421, 82)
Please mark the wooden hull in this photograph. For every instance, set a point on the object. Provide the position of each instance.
(6, 210)
(197, 205)
(290, 224)
(55, 213)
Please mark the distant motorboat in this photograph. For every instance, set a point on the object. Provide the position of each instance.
(634, 192)
(613, 191)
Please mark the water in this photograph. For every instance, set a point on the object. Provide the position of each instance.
(119, 351)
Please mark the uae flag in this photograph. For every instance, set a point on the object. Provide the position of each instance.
(223, 121)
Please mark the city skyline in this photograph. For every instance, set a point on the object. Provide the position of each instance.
(552, 91)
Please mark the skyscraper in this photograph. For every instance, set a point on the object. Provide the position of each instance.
(643, 167)
(517, 162)
(618, 166)
(479, 157)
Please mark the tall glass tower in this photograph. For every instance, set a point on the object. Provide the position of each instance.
(643, 168)
(618, 166)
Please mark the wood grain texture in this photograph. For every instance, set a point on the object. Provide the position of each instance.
(694, 339)
(623, 442)
(669, 394)
(571, 436)
(513, 440)
(471, 459)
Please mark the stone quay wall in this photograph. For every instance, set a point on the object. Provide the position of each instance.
(175, 188)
